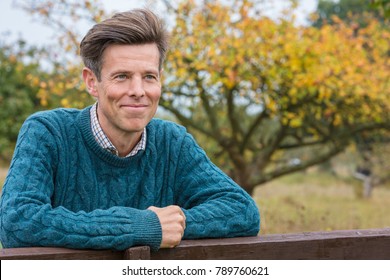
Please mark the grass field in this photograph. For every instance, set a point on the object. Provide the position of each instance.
(315, 201)
(319, 202)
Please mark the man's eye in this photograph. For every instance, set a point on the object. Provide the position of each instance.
(121, 77)
(151, 77)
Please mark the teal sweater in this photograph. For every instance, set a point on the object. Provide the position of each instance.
(64, 190)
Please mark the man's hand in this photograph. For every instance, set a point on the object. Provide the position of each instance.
(173, 224)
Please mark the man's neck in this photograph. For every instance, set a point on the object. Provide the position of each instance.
(121, 142)
(124, 143)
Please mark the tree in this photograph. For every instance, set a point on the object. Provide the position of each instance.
(19, 72)
(358, 14)
(64, 88)
(372, 150)
(383, 5)
(350, 11)
(274, 98)
(266, 97)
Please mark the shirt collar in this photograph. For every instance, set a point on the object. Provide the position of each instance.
(103, 140)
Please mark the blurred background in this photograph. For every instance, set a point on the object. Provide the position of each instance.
(290, 98)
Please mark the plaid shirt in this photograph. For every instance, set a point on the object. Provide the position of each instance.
(103, 140)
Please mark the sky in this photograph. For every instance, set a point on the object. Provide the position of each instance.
(15, 23)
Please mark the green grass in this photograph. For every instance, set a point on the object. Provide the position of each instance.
(306, 202)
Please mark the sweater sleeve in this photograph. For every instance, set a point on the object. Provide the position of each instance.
(214, 205)
(29, 219)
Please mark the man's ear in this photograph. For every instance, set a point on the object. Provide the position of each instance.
(90, 81)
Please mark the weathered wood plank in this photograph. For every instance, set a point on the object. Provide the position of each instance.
(137, 253)
(52, 253)
(358, 244)
(49, 253)
(347, 244)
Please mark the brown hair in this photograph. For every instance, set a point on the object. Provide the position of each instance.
(135, 27)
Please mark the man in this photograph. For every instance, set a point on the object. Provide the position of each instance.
(110, 176)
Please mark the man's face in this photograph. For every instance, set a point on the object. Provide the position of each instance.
(129, 90)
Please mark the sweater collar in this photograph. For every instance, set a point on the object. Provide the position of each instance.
(105, 142)
(84, 123)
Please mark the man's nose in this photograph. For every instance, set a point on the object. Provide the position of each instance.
(136, 87)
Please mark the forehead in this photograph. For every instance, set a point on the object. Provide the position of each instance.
(131, 56)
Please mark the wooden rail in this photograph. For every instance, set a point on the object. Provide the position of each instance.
(335, 245)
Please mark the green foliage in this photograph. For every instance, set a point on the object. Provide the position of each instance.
(19, 69)
(350, 11)
(383, 5)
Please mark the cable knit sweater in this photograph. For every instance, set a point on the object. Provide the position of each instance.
(64, 190)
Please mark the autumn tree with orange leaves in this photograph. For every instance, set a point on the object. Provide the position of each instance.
(265, 97)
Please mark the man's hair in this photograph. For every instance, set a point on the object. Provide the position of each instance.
(135, 27)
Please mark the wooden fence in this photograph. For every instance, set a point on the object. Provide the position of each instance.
(334, 245)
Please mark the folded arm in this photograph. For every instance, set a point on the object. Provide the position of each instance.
(214, 205)
(29, 219)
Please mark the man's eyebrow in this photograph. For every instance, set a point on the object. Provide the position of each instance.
(126, 71)
(119, 71)
(152, 70)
